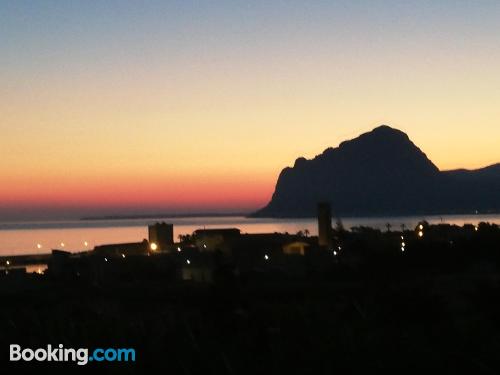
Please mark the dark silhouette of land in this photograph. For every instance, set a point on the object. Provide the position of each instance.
(381, 173)
(219, 301)
(164, 215)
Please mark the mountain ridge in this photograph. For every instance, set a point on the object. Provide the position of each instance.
(381, 172)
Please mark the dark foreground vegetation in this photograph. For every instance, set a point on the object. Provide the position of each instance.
(434, 307)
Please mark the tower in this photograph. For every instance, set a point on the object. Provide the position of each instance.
(161, 234)
(324, 225)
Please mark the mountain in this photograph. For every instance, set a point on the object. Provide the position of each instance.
(381, 172)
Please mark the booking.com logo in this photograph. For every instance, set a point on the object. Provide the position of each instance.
(80, 356)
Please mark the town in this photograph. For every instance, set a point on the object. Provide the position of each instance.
(245, 303)
(209, 256)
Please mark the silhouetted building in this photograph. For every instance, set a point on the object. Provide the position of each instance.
(64, 265)
(216, 239)
(161, 234)
(324, 225)
(198, 267)
(295, 248)
(119, 249)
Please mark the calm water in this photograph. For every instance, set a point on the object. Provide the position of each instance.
(23, 237)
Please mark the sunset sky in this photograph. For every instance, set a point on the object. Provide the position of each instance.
(149, 106)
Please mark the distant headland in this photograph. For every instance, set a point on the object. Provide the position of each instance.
(164, 215)
(381, 172)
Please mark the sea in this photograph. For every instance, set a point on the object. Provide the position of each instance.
(19, 238)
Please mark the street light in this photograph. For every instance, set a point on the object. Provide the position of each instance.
(153, 246)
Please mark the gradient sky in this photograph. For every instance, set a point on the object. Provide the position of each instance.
(147, 106)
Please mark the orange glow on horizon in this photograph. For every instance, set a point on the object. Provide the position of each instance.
(147, 193)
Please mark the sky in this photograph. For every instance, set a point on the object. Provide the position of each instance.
(195, 106)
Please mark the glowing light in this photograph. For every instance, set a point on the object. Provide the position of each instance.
(178, 249)
(402, 238)
(266, 257)
(123, 255)
(39, 246)
(188, 261)
(85, 244)
(7, 263)
(402, 249)
(420, 227)
(105, 259)
(334, 253)
(153, 246)
(420, 233)
(476, 228)
(39, 271)
(340, 248)
(62, 244)
(205, 246)
(403, 244)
